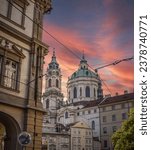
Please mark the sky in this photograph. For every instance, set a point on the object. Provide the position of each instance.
(102, 29)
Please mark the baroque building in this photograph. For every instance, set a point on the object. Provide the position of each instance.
(21, 66)
(84, 110)
(113, 112)
(84, 84)
(52, 98)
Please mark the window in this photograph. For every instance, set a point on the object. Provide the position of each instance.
(83, 112)
(10, 75)
(10, 65)
(49, 83)
(75, 92)
(93, 125)
(113, 117)
(4, 7)
(105, 143)
(94, 92)
(58, 119)
(57, 83)
(104, 118)
(89, 132)
(80, 91)
(69, 94)
(66, 114)
(105, 130)
(14, 11)
(16, 14)
(89, 111)
(87, 91)
(114, 128)
(124, 116)
(47, 103)
(77, 113)
(95, 110)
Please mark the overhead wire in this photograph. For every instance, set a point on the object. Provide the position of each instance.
(66, 48)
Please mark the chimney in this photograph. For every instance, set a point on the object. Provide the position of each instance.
(108, 95)
(116, 94)
(126, 92)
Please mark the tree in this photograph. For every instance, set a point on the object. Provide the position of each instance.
(124, 137)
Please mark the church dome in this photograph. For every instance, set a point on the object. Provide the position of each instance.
(83, 73)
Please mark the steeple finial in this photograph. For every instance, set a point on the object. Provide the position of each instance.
(83, 55)
(53, 56)
(54, 52)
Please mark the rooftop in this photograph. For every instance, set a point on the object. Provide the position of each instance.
(119, 98)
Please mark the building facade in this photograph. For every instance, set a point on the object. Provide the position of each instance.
(113, 111)
(84, 84)
(21, 65)
(81, 136)
(86, 107)
(52, 97)
(56, 141)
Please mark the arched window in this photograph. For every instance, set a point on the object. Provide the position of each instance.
(75, 92)
(57, 83)
(87, 91)
(66, 114)
(94, 92)
(47, 103)
(49, 83)
(69, 94)
(80, 91)
(93, 125)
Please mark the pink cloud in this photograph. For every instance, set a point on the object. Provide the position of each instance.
(103, 50)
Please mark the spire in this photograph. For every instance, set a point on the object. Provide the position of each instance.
(83, 62)
(83, 56)
(53, 64)
(53, 57)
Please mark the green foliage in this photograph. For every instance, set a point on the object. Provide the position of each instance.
(123, 139)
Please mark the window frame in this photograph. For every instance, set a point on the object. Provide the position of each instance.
(104, 118)
(23, 5)
(57, 83)
(104, 130)
(114, 129)
(49, 82)
(124, 116)
(93, 125)
(105, 143)
(113, 117)
(47, 103)
(74, 92)
(87, 91)
(7, 53)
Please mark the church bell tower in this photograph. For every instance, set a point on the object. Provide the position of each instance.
(52, 98)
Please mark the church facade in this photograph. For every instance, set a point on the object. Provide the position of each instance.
(85, 104)
(83, 87)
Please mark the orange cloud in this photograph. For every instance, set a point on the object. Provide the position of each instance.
(104, 50)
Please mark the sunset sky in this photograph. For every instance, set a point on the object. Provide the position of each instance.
(103, 29)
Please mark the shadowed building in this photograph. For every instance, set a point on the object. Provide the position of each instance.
(21, 65)
(113, 111)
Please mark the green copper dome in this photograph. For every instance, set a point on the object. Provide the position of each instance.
(83, 70)
(83, 73)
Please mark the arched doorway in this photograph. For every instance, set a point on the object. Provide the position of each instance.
(9, 131)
